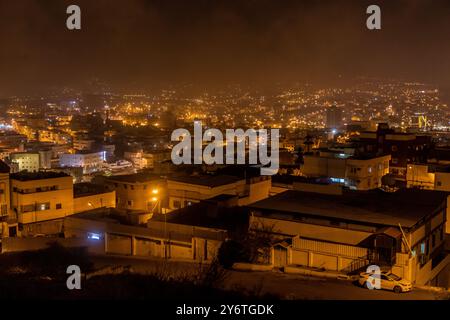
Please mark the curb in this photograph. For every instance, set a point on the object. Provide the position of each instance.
(320, 274)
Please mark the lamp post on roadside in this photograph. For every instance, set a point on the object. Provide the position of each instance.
(157, 201)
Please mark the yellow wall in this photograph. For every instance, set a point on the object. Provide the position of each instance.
(139, 194)
(63, 196)
(257, 191)
(369, 174)
(318, 232)
(442, 181)
(179, 191)
(107, 199)
(418, 176)
(5, 194)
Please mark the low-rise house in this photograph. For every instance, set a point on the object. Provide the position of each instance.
(428, 176)
(88, 196)
(185, 190)
(348, 230)
(108, 233)
(355, 172)
(139, 192)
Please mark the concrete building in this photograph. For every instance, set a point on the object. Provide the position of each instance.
(402, 232)
(90, 162)
(428, 176)
(109, 150)
(404, 148)
(140, 192)
(45, 159)
(88, 196)
(41, 196)
(154, 159)
(106, 235)
(8, 223)
(357, 173)
(83, 144)
(136, 158)
(334, 117)
(29, 161)
(36, 202)
(184, 190)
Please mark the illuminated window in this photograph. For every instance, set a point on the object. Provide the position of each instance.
(94, 236)
(43, 206)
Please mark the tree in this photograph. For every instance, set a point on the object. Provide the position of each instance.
(230, 252)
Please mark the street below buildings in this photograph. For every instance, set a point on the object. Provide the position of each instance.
(285, 286)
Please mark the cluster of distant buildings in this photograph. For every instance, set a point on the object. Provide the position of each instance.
(345, 198)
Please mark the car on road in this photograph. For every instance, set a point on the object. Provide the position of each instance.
(388, 281)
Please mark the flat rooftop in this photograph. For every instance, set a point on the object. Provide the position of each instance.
(406, 207)
(40, 175)
(88, 189)
(135, 178)
(205, 180)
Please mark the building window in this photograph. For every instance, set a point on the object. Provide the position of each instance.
(130, 202)
(27, 208)
(439, 184)
(4, 209)
(58, 206)
(433, 240)
(125, 186)
(132, 187)
(43, 206)
(442, 234)
(422, 248)
(394, 148)
(176, 204)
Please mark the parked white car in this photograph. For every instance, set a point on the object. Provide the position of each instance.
(388, 281)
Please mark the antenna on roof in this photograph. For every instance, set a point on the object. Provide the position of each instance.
(406, 241)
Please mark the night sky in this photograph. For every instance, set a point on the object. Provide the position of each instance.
(138, 44)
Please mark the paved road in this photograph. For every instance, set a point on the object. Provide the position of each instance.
(287, 286)
(311, 288)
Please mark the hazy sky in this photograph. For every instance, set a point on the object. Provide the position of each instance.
(139, 44)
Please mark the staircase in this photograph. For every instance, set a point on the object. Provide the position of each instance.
(357, 266)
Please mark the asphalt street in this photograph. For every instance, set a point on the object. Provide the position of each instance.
(286, 286)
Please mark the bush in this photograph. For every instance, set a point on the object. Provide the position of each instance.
(54, 260)
(230, 252)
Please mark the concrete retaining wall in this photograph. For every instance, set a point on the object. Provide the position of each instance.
(252, 267)
(31, 244)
